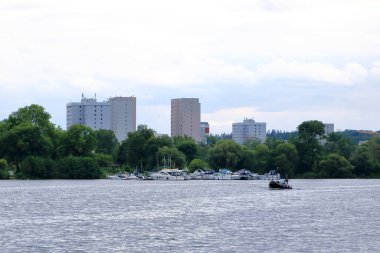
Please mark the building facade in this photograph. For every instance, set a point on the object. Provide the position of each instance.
(205, 131)
(329, 128)
(117, 114)
(123, 116)
(249, 129)
(186, 117)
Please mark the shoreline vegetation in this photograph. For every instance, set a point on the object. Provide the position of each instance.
(31, 147)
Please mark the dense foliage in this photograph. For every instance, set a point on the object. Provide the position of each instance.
(32, 147)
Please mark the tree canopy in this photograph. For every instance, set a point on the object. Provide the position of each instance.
(32, 147)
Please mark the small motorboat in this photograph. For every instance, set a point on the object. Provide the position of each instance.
(279, 184)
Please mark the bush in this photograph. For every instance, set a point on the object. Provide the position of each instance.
(35, 167)
(73, 167)
(104, 160)
(4, 169)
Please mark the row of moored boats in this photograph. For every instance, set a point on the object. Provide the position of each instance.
(199, 174)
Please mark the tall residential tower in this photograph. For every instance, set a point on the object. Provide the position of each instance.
(117, 114)
(186, 117)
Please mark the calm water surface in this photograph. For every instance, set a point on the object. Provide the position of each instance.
(189, 216)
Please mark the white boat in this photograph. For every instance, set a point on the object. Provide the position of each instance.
(118, 176)
(168, 174)
(223, 174)
(197, 174)
(242, 175)
(186, 175)
(209, 174)
(132, 177)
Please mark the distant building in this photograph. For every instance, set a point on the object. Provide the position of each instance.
(186, 117)
(205, 131)
(158, 135)
(123, 117)
(249, 129)
(117, 114)
(329, 128)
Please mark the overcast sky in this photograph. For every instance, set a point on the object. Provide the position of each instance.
(278, 61)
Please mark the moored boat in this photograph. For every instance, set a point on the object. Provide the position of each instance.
(223, 174)
(132, 177)
(198, 174)
(118, 176)
(169, 174)
(242, 175)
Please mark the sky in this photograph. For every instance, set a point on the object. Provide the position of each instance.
(278, 61)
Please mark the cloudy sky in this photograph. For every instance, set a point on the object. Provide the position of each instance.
(278, 61)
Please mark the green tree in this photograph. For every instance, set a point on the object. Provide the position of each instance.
(285, 158)
(197, 164)
(202, 151)
(171, 157)
(308, 144)
(339, 144)
(335, 166)
(247, 159)
(22, 141)
(121, 157)
(72, 167)
(374, 148)
(225, 154)
(189, 148)
(106, 142)
(251, 144)
(103, 160)
(272, 143)
(4, 169)
(151, 149)
(36, 167)
(211, 140)
(365, 165)
(262, 159)
(132, 150)
(33, 114)
(79, 140)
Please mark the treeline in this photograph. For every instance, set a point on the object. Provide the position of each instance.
(32, 147)
(356, 136)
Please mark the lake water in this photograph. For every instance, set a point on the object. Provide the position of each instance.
(189, 216)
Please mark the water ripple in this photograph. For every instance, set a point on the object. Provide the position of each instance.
(195, 216)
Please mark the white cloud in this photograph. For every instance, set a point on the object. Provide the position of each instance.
(305, 73)
(375, 70)
(204, 49)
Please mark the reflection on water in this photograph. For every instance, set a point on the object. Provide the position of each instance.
(189, 216)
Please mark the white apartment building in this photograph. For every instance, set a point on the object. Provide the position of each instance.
(249, 129)
(205, 131)
(186, 117)
(329, 128)
(117, 114)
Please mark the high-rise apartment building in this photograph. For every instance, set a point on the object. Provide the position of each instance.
(186, 117)
(123, 116)
(117, 114)
(249, 129)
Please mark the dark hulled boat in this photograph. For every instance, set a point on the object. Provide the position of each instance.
(279, 184)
